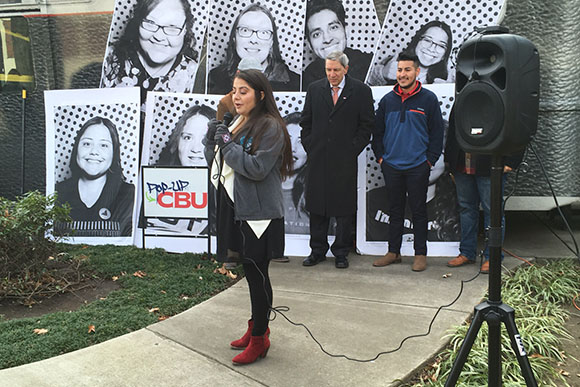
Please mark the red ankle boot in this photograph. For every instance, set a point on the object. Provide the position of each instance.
(243, 342)
(257, 348)
(245, 339)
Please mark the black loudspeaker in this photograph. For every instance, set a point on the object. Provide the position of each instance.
(496, 93)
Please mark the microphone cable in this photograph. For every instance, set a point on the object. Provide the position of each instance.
(282, 310)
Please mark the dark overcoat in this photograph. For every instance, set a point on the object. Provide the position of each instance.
(333, 136)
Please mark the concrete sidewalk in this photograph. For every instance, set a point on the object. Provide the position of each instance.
(358, 312)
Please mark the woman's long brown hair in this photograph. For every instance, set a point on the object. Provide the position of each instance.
(260, 117)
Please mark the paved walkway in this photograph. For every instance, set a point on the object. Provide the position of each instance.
(358, 312)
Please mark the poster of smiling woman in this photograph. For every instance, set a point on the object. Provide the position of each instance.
(175, 126)
(155, 44)
(92, 140)
(431, 30)
(269, 32)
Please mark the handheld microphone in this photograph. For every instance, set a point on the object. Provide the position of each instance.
(228, 117)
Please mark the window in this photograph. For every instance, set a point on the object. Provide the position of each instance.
(3, 2)
(16, 71)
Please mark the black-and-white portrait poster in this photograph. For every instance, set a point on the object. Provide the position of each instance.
(351, 26)
(174, 128)
(269, 32)
(296, 218)
(372, 214)
(92, 148)
(155, 44)
(432, 30)
(175, 125)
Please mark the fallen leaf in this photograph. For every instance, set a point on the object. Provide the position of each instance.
(40, 331)
(221, 270)
(161, 318)
(163, 292)
(565, 373)
(139, 274)
(91, 329)
(102, 298)
(536, 355)
(153, 310)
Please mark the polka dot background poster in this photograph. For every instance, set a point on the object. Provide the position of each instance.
(332, 25)
(102, 128)
(142, 41)
(434, 31)
(175, 124)
(262, 29)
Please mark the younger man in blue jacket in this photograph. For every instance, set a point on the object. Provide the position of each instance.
(407, 141)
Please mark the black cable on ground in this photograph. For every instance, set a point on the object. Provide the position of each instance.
(281, 309)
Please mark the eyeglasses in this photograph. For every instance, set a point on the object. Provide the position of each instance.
(151, 26)
(430, 42)
(246, 32)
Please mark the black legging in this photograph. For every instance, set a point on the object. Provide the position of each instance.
(260, 294)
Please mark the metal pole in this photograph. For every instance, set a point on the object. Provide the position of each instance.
(495, 243)
(23, 144)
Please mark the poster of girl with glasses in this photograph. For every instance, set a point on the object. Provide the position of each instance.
(271, 36)
(155, 44)
(432, 32)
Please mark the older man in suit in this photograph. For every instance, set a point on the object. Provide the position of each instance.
(337, 121)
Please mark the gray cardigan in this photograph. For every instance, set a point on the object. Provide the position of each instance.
(257, 179)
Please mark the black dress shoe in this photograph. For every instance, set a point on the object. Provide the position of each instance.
(341, 262)
(312, 260)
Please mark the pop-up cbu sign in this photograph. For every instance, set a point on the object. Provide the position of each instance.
(175, 192)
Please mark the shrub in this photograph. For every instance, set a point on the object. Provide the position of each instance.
(25, 241)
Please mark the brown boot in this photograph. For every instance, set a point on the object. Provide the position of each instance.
(387, 259)
(420, 263)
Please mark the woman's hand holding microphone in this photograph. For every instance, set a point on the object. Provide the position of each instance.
(222, 135)
(218, 132)
(211, 129)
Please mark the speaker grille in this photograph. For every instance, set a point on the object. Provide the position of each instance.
(482, 114)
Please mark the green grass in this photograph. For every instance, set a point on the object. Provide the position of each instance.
(172, 282)
(537, 294)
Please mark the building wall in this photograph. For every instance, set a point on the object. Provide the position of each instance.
(554, 29)
(68, 52)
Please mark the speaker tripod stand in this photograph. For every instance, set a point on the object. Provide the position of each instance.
(494, 311)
